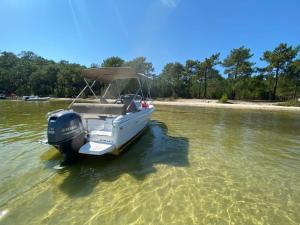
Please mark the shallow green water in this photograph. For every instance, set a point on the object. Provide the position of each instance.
(191, 166)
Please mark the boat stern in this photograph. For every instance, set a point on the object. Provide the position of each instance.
(96, 148)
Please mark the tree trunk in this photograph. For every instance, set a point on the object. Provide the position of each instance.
(199, 90)
(275, 86)
(173, 92)
(235, 78)
(205, 84)
(296, 87)
(236, 70)
(233, 94)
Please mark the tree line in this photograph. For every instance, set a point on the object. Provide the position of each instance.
(28, 73)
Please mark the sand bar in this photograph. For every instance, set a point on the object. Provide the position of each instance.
(213, 103)
(233, 104)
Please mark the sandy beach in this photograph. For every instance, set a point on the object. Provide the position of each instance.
(213, 103)
(232, 104)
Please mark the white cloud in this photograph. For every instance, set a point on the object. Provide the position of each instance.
(170, 3)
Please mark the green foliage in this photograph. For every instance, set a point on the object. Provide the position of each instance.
(237, 66)
(202, 79)
(206, 71)
(28, 73)
(279, 61)
(237, 63)
(291, 102)
(140, 65)
(173, 75)
(294, 72)
(113, 61)
(223, 99)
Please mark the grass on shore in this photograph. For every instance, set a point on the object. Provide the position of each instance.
(224, 99)
(292, 102)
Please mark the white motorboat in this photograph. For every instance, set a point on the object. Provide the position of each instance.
(101, 127)
(35, 98)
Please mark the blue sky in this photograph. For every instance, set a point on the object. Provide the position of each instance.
(162, 30)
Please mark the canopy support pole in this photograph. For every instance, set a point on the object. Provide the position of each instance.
(90, 87)
(82, 92)
(103, 96)
(141, 87)
(149, 91)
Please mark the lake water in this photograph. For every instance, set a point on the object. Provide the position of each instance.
(191, 166)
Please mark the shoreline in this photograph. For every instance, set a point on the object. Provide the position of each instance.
(209, 103)
(232, 104)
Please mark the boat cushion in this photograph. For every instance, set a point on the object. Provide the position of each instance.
(94, 108)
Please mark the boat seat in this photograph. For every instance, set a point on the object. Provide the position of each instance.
(94, 108)
(103, 101)
(130, 105)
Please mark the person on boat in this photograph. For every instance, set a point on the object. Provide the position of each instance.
(144, 104)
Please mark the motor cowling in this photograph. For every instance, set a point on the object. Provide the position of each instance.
(66, 133)
(63, 127)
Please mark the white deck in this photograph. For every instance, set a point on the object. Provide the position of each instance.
(107, 135)
(94, 148)
(101, 133)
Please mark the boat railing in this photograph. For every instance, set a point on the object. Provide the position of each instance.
(53, 112)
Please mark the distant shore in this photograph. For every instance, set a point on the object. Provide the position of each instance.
(232, 104)
(211, 103)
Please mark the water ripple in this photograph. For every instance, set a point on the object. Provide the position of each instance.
(191, 166)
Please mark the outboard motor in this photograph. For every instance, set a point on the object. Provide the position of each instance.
(66, 133)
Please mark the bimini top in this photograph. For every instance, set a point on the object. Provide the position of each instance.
(108, 74)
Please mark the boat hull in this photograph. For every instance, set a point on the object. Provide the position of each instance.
(37, 99)
(117, 151)
(126, 130)
(67, 134)
(130, 129)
